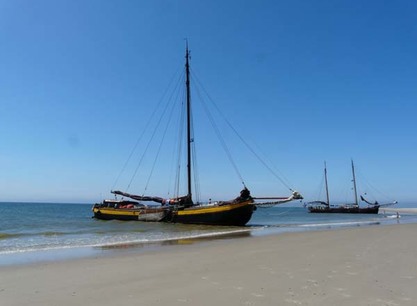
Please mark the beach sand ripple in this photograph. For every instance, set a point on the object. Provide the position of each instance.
(370, 266)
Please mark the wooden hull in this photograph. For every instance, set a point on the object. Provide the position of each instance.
(228, 214)
(234, 214)
(344, 210)
(137, 214)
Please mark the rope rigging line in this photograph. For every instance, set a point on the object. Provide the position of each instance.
(144, 130)
(177, 127)
(242, 139)
(180, 144)
(195, 165)
(160, 146)
(196, 177)
(220, 137)
(194, 160)
(366, 181)
(151, 139)
(271, 167)
(321, 187)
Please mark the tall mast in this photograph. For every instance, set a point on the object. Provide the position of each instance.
(354, 184)
(327, 186)
(187, 84)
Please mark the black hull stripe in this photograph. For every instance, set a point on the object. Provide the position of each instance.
(238, 216)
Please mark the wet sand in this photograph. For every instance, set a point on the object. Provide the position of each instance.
(391, 210)
(373, 265)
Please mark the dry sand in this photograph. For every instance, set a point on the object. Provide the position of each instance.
(374, 265)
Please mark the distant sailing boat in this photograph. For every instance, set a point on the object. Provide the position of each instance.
(350, 208)
(183, 209)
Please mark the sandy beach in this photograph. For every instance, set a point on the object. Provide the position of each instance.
(373, 265)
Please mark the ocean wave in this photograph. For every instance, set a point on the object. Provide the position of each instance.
(104, 241)
(194, 236)
(21, 235)
(340, 224)
(8, 236)
(52, 233)
(323, 224)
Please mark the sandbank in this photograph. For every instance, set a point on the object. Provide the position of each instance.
(373, 265)
(411, 210)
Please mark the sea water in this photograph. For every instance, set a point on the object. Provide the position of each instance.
(31, 232)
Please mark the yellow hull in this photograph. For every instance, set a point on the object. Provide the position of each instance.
(218, 214)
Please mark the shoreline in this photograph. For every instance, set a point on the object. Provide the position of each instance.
(45, 256)
(371, 265)
(401, 210)
(29, 257)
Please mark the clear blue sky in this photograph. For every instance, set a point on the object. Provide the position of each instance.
(307, 81)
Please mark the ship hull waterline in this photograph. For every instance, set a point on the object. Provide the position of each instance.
(345, 210)
(236, 214)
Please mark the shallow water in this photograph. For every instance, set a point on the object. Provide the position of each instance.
(32, 232)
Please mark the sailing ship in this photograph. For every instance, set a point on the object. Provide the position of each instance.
(183, 209)
(349, 208)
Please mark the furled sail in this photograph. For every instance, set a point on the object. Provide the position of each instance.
(175, 201)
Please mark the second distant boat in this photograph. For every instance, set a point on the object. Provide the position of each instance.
(350, 208)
